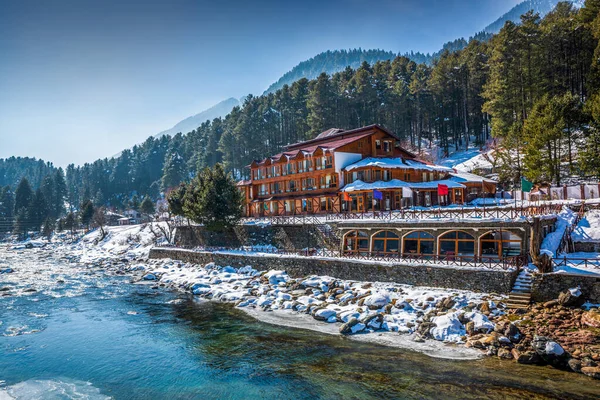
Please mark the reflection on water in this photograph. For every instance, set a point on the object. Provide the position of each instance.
(132, 342)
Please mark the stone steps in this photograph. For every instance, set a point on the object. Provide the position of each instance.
(520, 296)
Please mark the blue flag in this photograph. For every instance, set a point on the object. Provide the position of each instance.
(377, 195)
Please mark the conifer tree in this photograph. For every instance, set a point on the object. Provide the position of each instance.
(213, 199)
(147, 206)
(86, 213)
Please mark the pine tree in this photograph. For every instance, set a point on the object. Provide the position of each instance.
(48, 228)
(213, 199)
(147, 206)
(70, 222)
(38, 211)
(7, 206)
(23, 195)
(86, 213)
(174, 171)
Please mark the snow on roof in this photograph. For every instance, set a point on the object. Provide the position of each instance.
(470, 160)
(469, 177)
(398, 184)
(396, 162)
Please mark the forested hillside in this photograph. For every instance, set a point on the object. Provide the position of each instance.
(535, 86)
(541, 7)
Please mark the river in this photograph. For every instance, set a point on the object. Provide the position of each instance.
(84, 333)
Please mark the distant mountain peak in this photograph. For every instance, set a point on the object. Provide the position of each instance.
(542, 7)
(220, 109)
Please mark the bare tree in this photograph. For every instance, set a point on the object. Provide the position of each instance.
(99, 219)
(165, 226)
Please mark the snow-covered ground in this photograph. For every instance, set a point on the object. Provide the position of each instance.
(469, 160)
(588, 228)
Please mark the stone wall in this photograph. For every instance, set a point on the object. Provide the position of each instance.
(548, 286)
(280, 236)
(481, 280)
(587, 247)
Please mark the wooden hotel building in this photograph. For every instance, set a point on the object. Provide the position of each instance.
(356, 170)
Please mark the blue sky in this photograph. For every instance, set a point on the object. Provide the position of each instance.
(84, 79)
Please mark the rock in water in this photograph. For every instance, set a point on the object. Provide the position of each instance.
(6, 270)
(550, 351)
(324, 314)
(149, 277)
(346, 328)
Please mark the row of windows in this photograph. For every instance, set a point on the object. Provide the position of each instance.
(492, 244)
(299, 205)
(293, 167)
(297, 185)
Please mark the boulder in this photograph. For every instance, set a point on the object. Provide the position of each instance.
(346, 328)
(575, 364)
(551, 303)
(513, 333)
(373, 321)
(591, 318)
(505, 353)
(6, 270)
(527, 357)
(149, 277)
(550, 351)
(571, 298)
(324, 314)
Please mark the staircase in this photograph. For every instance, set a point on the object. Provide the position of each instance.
(520, 296)
(330, 236)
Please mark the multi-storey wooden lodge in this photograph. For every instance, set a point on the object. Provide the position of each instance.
(356, 170)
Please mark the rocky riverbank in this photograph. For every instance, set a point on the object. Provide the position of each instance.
(439, 322)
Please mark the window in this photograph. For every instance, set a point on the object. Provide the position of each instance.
(360, 144)
(326, 203)
(300, 165)
(457, 243)
(407, 177)
(418, 242)
(291, 186)
(387, 175)
(264, 189)
(328, 161)
(378, 144)
(307, 205)
(387, 146)
(500, 244)
(386, 242)
(377, 175)
(356, 242)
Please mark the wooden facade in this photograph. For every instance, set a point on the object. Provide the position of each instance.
(311, 177)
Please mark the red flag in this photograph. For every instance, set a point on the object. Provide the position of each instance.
(347, 197)
(442, 190)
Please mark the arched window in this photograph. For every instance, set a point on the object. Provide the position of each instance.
(457, 243)
(386, 242)
(500, 244)
(356, 242)
(418, 242)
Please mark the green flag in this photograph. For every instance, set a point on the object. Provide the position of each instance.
(526, 186)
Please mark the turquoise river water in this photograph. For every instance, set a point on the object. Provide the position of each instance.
(86, 334)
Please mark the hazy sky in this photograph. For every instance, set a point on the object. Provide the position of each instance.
(84, 79)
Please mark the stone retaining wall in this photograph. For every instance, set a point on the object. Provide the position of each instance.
(280, 236)
(547, 287)
(481, 280)
(587, 247)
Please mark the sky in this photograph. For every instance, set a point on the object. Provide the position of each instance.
(85, 79)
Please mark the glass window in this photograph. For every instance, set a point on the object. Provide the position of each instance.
(386, 242)
(355, 242)
(418, 242)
